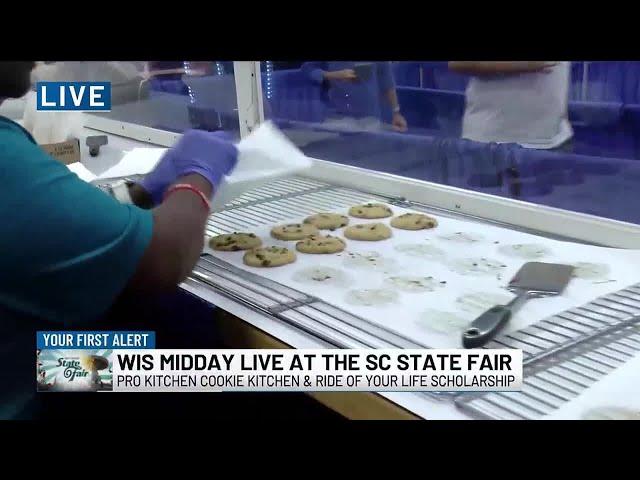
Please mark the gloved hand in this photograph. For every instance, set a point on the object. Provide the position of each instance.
(209, 154)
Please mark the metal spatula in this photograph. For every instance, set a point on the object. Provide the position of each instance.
(534, 279)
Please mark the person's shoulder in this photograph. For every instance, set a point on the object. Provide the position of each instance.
(10, 126)
(20, 155)
(15, 140)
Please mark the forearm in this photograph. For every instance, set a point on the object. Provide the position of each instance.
(182, 217)
(392, 98)
(186, 215)
(495, 68)
(330, 75)
(178, 237)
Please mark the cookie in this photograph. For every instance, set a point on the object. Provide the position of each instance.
(327, 221)
(320, 244)
(232, 242)
(370, 210)
(413, 221)
(322, 275)
(528, 251)
(372, 261)
(611, 413)
(478, 302)
(410, 283)
(477, 266)
(269, 257)
(368, 232)
(293, 231)
(440, 321)
(590, 271)
(423, 250)
(463, 237)
(371, 297)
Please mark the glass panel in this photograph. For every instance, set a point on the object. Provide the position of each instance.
(174, 96)
(563, 134)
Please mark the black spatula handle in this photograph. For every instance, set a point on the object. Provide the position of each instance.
(486, 326)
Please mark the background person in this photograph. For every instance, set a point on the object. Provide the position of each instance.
(517, 102)
(356, 89)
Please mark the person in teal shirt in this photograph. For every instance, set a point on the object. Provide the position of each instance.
(69, 250)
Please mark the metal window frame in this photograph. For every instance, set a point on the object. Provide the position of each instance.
(505, 211)
(248, 96)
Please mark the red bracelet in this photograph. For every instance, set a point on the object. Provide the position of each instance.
(186, 186)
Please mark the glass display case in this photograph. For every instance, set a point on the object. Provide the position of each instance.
(352, 124)
(401, 118)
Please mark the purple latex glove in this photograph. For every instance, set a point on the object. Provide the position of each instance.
(211, 155)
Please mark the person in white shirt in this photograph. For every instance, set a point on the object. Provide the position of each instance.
(517, 102)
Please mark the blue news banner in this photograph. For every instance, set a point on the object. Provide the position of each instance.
(82, 361)
(73, 96)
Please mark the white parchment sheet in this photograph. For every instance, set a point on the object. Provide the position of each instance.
(464, 266)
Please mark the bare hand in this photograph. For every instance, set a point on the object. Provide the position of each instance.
(399, 123)
(347, 74)
(543, 67)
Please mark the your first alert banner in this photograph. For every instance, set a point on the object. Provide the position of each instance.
(130, 361)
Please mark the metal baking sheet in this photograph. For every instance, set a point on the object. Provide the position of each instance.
(616, 397)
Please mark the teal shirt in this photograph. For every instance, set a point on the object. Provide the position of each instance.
(67, 250)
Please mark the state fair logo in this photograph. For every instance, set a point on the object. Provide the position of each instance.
(74, 370)
(73, 96)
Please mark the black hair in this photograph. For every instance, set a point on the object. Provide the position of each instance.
(15, 78)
